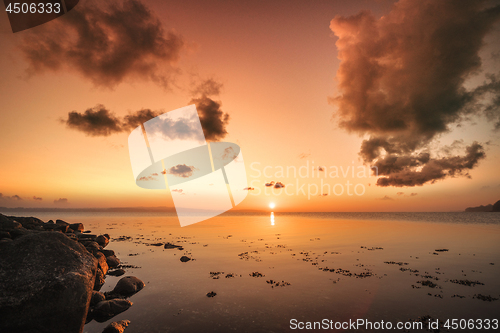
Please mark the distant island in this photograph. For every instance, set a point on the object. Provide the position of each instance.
(488, 208)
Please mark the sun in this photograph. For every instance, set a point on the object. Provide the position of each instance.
(272, 205)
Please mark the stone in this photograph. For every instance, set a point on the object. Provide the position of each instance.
(96, 298)
(127, 286)
(117, 326)
(116, 272)
(28, 222)
(113, 261)
(106, 310)
(4, 234)
(46, 283)
(99, 280)
(61, 222)
(77, 226)
(107, 253)
(7, 224)
(101, 259)
(102, 240)
(184, 259)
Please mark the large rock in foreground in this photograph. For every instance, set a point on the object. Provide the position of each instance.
(46, 281)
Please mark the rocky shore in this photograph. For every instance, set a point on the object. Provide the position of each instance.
(51, 274)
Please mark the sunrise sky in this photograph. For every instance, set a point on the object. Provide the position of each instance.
(410, 87)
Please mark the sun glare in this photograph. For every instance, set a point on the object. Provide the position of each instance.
(272, 205)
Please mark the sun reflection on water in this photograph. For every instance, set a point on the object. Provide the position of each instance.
(272, 218)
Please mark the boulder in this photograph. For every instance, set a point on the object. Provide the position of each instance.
(117, 326)
(496, 206)
(101, 259)
(108, 253)
(77, 226)
(28, 222)
(106, 310)
(46, 283)
(113, 261)
(102, 240)
(117, 272)
(99, 280)
(96, 298)
(4, 234)
(127, 286)
(7, 224)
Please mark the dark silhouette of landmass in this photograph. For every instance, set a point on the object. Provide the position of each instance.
(488, 208)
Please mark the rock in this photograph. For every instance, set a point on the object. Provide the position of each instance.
(77, 226)
(496, 206)
(107, 253)
(96, 298)
(61, 222)
(185, 259)
(4, 234)
(103, 265)
(172, 246)
(102, 240)
(18, 232)
(46, 283)
(211, 294)
(7, 224)
(99, 280)
(28, 222)
(117, 326)
(113, 261)
(85, 237)
(117, 272)
(91, 245)
(127, 286)
(106, 310)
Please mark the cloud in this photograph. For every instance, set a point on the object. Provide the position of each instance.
(278, 185)
(147, 178)
(323, 195)
(400, 193)
(413, 194)
(177, 190)
(14, 197)
(61, 201)
(401, 83)
(208, 87)
(269, 184)
(105, 43)
(181, 170)
(37, 198)
(320, 168)
(385, 198)
(132, 120)
(181, 128)
(248, 189)
(213, 119)
(97, 121)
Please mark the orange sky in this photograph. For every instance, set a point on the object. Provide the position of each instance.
(277, 62)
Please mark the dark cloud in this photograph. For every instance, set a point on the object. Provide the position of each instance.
(278, 185)
(435, 169)
(401, 83)
(61, 201)
(37, 198)
(248, 189)
(181, 170)
(132, 120)
(320, 168)
(208, 87)
(105, 42)
(97, 121)
(14, 197)
(213, 119)
(269, 184)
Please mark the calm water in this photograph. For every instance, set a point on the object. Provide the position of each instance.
(338, 266)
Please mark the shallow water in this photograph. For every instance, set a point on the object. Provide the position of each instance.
(335, 264)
